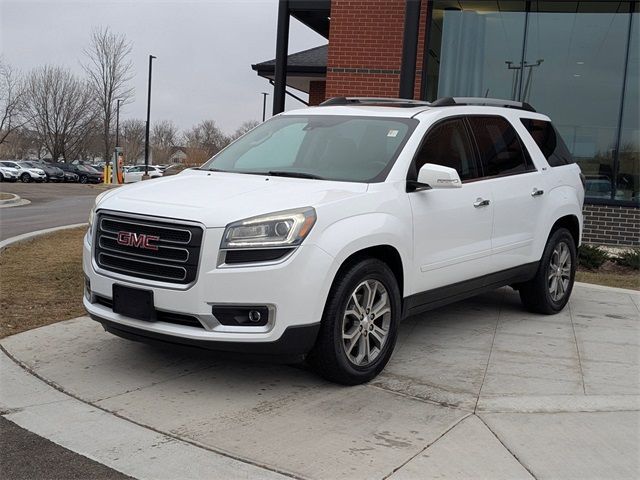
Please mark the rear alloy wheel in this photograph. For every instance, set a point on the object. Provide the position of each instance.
(549, 291)
(359, 325)
(25, 178)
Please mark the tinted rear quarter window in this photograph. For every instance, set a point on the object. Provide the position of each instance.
(500, 148)
(549, 141)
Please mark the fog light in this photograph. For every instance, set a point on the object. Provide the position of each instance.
(241, 316)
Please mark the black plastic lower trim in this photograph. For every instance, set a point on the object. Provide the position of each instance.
(438, 297)
(295, 341)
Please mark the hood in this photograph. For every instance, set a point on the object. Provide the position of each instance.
(217, 199)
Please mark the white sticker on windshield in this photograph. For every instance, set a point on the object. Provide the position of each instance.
(392, 133)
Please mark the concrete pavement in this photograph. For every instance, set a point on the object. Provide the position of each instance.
(479, 389)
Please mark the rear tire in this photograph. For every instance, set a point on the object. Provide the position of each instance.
(549, 291)
(359, 324)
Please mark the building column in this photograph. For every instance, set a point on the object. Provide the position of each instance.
(409, 48)
(282, 48)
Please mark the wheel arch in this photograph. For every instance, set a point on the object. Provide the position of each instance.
(571, 223)
(387, 254)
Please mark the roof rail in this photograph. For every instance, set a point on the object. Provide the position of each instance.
(390, 102)
(489, 102)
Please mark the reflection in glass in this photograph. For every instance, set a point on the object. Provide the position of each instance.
(579, 85)
(565, 58)
(628, 180)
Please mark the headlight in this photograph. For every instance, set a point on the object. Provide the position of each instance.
(92, 215)
(287, 228)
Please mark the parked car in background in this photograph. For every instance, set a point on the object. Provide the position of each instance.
(26, 173)
(175, 169)
(598, 186)
(70, 175)
(53, 173)
(85, 173)
(8, 174)
(135, 173)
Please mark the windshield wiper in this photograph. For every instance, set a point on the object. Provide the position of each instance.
(284, 173)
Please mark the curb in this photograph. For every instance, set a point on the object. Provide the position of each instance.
(15, 201)
(28, 236)
(604, 288)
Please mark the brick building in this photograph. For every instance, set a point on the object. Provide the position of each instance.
(577, 61)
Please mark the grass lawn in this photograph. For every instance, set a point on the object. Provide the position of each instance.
(610, 279)
(42, 281)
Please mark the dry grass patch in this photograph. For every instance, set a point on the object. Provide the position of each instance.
(630, 279)
(42, 281)
(5, 196)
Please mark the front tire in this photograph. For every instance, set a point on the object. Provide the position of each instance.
(359, 324)
(25, 178)
(84, 179)
(549, 291)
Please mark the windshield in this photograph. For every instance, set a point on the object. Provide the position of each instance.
(353, 149)
(86, 168)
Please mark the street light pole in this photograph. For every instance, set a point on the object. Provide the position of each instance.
(118, 122)
(146, 137)
(264, 105)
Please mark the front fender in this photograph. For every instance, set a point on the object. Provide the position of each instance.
(353, 234)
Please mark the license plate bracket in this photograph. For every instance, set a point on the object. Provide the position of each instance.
(133, 302)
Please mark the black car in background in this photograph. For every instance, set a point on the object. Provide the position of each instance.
(85, 173)
(53, 173)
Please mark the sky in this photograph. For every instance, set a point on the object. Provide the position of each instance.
(204, 51)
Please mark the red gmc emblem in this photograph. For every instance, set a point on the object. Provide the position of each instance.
(140, 240)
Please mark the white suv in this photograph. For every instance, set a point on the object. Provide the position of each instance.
(318, 231)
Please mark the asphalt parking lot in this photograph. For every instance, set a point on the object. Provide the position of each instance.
(52, 205)
(479, 389)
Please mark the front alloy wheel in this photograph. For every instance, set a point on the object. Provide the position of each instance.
(366, 322)
(359, 324)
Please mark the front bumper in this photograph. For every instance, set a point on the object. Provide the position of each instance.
(295, 291)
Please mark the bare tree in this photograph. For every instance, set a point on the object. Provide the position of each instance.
(11, 101)
(110, 70)
(244, 128)
(61, 110)
(207, 137)
(132, 132)
(164, 135)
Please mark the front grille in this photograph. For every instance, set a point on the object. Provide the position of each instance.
(173, 257)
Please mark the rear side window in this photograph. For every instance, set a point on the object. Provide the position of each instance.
(549, 141)
(500, 148)
(448, 144)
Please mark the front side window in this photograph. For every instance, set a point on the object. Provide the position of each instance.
(448, 144)
(501, 152)
(549, 141)
(352, 149)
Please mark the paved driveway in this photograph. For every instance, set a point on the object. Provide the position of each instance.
(52, 205)
(479, 389)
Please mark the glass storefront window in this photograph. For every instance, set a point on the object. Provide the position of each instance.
(628, 179)
(578, 83)
(565, 58)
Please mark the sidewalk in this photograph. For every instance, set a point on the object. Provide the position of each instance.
(479, 389)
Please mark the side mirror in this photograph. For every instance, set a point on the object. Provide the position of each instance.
(437, 176)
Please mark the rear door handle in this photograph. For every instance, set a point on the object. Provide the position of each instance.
(481, 202)
(536, 192)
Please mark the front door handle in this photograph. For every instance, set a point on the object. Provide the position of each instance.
(481, 202)
(536, 192)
